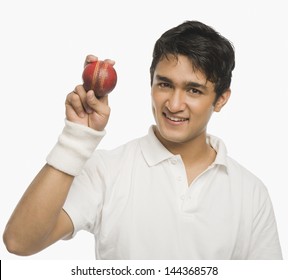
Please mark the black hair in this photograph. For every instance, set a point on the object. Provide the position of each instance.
(209, 52)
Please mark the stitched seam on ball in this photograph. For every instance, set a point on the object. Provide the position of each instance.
(102, 78)
(95, 74)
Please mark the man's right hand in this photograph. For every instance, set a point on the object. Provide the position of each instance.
(84, 108)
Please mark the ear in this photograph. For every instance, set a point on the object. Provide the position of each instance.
(222, 100)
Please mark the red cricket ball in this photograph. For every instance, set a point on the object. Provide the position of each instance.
(99, 76)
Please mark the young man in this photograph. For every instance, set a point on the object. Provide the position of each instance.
(172, 194)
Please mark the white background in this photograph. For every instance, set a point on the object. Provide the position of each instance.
(43, 47)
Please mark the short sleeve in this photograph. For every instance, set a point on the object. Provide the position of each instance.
(85, 198)
(265, 244)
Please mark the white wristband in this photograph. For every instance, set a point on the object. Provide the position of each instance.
(74, 147)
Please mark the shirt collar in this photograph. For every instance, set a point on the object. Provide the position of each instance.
(218, 145)
(154, 152)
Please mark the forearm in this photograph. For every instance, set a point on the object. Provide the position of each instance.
(38, 219)
(38, 211)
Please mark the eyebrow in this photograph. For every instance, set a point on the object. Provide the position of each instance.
(188, 84)
(163, 79)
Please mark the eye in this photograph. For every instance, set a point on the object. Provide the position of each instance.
(164, 85)
(194, 91)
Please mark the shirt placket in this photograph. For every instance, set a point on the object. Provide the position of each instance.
(179, 178)
(188, 196)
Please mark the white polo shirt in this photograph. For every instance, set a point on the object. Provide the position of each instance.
(137, 203)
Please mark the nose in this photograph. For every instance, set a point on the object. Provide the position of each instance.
(176, 102)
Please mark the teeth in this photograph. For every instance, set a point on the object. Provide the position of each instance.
(176, 119)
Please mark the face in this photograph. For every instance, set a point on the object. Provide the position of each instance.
(182, 101)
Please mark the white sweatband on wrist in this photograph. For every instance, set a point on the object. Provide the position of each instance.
(75, 145)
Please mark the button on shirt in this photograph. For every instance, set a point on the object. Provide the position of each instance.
(137, 202)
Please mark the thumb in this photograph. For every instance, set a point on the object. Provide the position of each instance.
(91, 99)
(94, 102)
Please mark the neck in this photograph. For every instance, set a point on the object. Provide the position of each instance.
(192, 151)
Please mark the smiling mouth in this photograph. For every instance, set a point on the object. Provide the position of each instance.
(175, 119)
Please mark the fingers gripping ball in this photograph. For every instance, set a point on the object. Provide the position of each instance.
(99, 76)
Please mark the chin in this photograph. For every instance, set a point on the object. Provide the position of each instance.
(175, 137)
